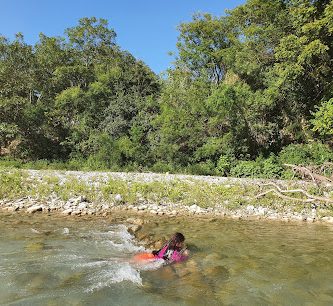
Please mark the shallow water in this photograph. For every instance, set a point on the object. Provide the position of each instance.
(52, 261)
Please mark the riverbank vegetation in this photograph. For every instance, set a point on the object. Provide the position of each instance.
(177, 194)
(249, 94)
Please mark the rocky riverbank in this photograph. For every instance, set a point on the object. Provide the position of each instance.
(161, 195)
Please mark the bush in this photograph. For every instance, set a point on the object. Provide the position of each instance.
(11, 184)
(162, 167)
(225, 163)
(314, 153)
(272, 167)
(202, 168)
(259, 168)
(246, 168)
(6, 162)
(75, 164)
(95, 163)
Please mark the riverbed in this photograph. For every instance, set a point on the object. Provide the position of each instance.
(50, 260)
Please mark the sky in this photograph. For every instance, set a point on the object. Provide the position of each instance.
(145, 28)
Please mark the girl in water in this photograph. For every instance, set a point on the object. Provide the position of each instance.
(172, 251)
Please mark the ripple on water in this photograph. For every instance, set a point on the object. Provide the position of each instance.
(236, 263)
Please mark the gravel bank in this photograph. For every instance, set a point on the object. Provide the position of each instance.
(81, 204)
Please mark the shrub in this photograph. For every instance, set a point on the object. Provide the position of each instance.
(6, 162)
(225, 163)
(246, 168)
(272, 167)
(202, 168)
(162, 167)
(314, 153)
(11, 184)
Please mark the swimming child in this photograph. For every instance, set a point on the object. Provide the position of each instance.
(172, 251)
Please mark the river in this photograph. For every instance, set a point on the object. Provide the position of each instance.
(48, 260)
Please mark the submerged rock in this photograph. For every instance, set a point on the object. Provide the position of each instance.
(134, 228)
(217, 272)
(35, 247)
(135, 221)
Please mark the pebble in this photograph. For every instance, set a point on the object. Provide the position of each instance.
(118, 198)
(82, 205)
(297, 218)
(250, 208)
(67, 212)
(327, 219)
(34, 209)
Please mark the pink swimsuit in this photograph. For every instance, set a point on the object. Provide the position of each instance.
(171, 255)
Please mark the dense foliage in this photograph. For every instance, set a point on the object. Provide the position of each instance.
(250, 91)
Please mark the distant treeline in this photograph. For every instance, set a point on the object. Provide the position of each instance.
(249, 91)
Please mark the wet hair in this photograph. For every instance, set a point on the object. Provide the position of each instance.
(176, 238)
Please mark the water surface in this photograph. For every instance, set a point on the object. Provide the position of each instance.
(46, 260)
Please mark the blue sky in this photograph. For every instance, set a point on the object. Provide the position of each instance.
(146, 28)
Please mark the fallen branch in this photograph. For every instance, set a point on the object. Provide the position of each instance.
(304, 171)
(281, 193)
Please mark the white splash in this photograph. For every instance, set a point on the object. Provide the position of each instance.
(149, 265)
(106, 278)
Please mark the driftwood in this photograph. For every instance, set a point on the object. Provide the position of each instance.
(281, 193)
(307, 172)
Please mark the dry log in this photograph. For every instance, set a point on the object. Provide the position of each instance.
(307, 172)
(281, 193)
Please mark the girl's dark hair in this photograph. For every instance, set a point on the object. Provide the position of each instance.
(176, 238)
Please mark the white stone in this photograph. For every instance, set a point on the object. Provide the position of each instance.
(118, 197)
(297, 218)
(67, 212)
(327, 219)
(33, 209)
(82, 206)
(195, 208)
(250, 208)
(261, 210)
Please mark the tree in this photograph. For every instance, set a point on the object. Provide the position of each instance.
(181, 125)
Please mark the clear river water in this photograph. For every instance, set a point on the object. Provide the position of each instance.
(48, 260)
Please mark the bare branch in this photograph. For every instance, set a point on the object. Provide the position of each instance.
(281, 193)
(307, 172)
